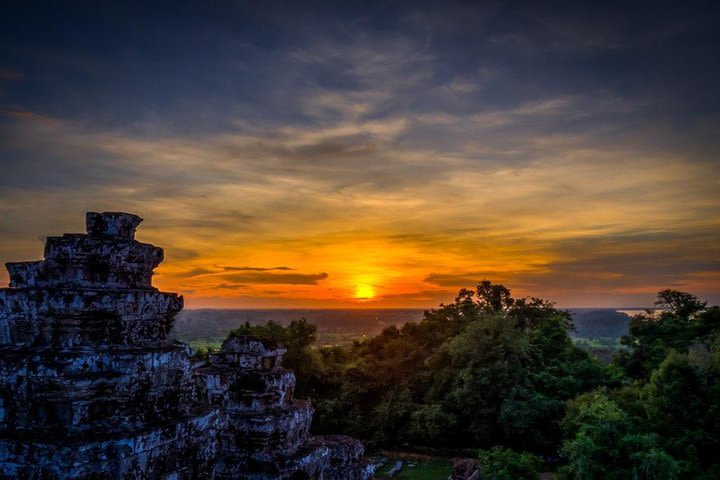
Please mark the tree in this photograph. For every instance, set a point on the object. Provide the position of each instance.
(682, 402)
(504, 464)
(680, 304)
(473, 371)
(493, 298)
(685, 322)
(604, 444)
(484, 370)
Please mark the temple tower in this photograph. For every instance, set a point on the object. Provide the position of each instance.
(90, 385)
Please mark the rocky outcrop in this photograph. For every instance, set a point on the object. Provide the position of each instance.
(92, 388)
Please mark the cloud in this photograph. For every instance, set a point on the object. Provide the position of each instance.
(278, 279)
(195, 272)
(428, 297)
(254, 269)
(468, 280)
(202, 271)
(26, 115)
(180, 253)
(231, 286)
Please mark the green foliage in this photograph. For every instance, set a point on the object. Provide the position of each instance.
(485, 369)
(682, 402)
(602, 348)
(684, 322)
(429, 423)
(674, 360)
(492, 371)
(603, 445)
(504, 464)
(668, 427)
(203, 348)
(679, 304)
(433, 469)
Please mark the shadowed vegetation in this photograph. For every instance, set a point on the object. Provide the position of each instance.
(502, 375)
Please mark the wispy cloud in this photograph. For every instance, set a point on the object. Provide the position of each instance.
(278, 278)
(196, 272)
(26, 115)
(254, 269)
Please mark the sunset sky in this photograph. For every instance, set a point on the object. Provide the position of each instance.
(361, 154)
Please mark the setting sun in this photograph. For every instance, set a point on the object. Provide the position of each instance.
(364, 291)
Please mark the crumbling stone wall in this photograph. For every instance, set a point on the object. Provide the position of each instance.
(92, 388)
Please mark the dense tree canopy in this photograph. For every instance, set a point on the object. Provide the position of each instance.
(485, 370)
(684, 322)
(501, 374)
(666, 419)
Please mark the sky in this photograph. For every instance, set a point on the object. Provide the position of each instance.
(372, 154)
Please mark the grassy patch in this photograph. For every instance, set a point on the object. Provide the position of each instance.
(423, 468)
(602, 348)
(204, 345)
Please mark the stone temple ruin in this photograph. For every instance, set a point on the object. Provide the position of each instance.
(92, 388)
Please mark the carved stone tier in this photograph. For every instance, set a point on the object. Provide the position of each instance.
(335, 457)
(106, 257)
(253, 390)
(79, 392)
(72, 317)
(183, 450)
(277, 431)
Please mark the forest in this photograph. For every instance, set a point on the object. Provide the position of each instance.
(501, 378)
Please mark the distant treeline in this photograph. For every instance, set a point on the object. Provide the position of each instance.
(217, 323)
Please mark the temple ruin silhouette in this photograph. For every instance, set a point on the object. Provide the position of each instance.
(91, 387)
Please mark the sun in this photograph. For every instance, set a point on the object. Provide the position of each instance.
(364, 291)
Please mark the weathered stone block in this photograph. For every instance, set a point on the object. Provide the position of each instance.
(116, 224)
